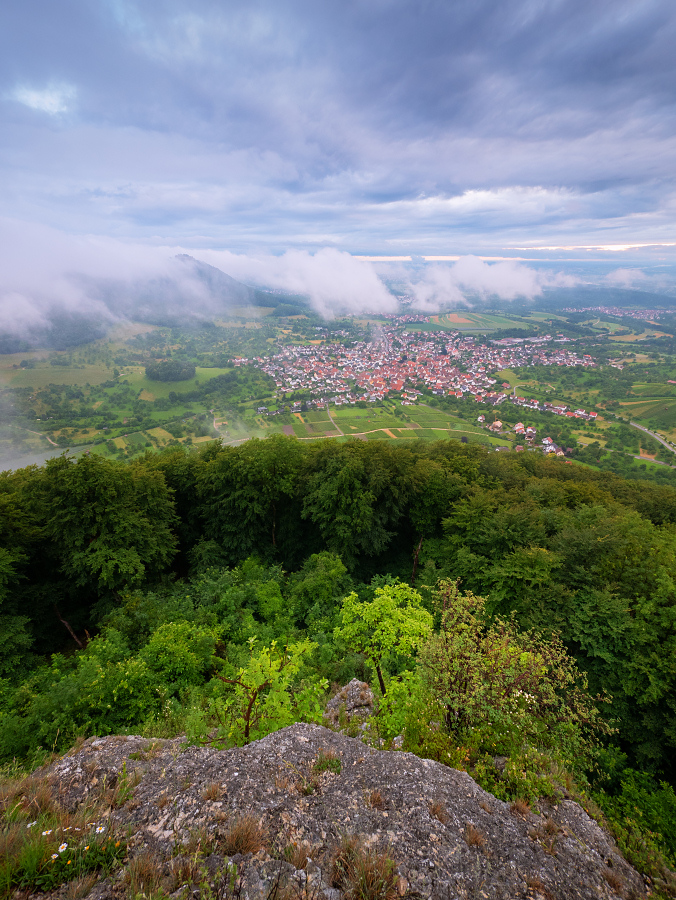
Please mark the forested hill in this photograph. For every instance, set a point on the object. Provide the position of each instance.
(129, 589)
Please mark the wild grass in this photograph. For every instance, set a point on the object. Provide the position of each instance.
(212, 791)
(144, 873)
(243, 835)
(327, 761)
(520, 808)
(474, 837)
(43, 845)
(438, 811)
(299, 854)
(363, 874)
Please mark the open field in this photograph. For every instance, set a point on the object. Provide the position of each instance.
(468, 321)
(41, 376)
(644, 335)
(135, 375)
(654, 390)
(603, 325)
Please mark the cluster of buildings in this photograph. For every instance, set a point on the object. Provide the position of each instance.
(528, 434)
(621, 311)
(558, 410)
(399, 362)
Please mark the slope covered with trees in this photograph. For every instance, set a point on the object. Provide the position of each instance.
(501, 605)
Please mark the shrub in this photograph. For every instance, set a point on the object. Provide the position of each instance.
(265, 695)
(498, 689)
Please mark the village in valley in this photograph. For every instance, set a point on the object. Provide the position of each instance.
(560, 385)
(406, 365)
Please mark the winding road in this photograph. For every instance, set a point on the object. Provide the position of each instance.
(656, 436)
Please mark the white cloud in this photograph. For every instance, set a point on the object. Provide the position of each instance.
(336, 282)
(442, 285)
(53, 99)
(626, 278)
(42, 269)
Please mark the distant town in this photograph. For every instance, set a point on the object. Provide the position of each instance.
(399, 362)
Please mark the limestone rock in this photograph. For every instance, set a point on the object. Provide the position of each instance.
(355, 700)
(449, 838)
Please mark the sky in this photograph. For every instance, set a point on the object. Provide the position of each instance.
(536, 129)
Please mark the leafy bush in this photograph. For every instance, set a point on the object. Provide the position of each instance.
(267, 694)
(502, 689)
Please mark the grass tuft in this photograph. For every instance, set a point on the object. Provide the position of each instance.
(212, 791)
(438, 811)
(327, 761)
(613, 879)
(363, 875)
(299, 854)
(473, 836)
(144, 873)
(520, 808)
(243, 835)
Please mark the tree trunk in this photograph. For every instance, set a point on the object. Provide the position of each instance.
(415, 561)
(380, 680)
(70, 630)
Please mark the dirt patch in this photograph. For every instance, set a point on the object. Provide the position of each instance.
(457, 320)
(288, 430)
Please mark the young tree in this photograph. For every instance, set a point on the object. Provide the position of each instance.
(268, 693)
(393, 624)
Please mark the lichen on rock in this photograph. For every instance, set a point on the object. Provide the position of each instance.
(446, 837)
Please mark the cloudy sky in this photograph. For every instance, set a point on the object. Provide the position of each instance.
(306, 131)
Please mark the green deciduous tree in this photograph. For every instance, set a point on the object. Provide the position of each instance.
(248, 498)
(266, 694)
(356, 495)
(111, 523)
(391, 626)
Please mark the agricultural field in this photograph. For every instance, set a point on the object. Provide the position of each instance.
(467, 321)
(98, 398)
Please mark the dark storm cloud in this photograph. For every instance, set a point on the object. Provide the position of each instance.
(370, 125)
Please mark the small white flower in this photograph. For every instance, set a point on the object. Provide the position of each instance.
(63, 847)
(100, 829)
(46, 832)
(30, 824)
(55, 855)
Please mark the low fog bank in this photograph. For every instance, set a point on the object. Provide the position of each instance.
(59, 290)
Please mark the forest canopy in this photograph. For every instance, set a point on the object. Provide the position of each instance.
(151, 595)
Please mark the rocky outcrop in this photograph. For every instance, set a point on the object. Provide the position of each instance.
(354, 701)
(310, 788)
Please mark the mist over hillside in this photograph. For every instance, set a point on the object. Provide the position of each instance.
(83, 299)
(188, 292)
